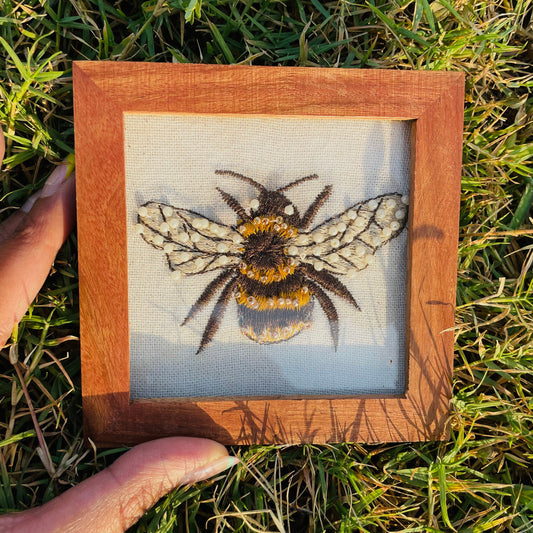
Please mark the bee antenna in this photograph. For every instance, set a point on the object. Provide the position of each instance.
(297, 182)
(241, 177)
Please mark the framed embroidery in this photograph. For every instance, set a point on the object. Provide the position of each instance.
(266, 254)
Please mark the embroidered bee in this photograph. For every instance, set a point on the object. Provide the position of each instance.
(273, 265)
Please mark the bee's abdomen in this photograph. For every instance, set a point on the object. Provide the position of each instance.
(274, 315)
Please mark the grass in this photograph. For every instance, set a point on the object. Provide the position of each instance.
(481, 480)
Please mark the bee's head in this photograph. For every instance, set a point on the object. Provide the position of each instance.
(271, 203)
(275, 203)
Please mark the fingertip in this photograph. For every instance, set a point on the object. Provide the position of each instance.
(150, 470)
(209, 470)
(179, 460)
(182, 454)
(55, 181)
(51, 216)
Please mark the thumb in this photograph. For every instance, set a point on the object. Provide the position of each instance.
(115, 498)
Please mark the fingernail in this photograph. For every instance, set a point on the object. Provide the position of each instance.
(54, 182)
(209, 470)
(28, 204)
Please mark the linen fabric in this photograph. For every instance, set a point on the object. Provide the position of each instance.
(172, 159)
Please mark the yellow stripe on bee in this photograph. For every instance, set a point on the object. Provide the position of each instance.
(271, 224)
(277, 334)
(286, 300)
(269, 275)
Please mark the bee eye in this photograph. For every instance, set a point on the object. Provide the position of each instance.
(289, 209)
(254, 204)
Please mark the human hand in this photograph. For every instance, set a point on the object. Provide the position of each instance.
(116, 497)
(29, 241)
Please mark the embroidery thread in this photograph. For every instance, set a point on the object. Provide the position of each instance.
(270, 262)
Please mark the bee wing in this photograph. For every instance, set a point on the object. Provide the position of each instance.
(192, 243)
(347, 242)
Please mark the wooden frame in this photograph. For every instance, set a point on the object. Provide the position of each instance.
(433, 101)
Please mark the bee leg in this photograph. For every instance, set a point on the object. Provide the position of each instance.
(234, 204)
(312, 210)
(329, 310)
(216, 315)
(331, 283)
(208, 293)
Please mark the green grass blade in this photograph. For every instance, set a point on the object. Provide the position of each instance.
(321, 9)
(16, 438)
(396, 29)
(221, 43)
(524, 206)
(25, 74)
(443, 491)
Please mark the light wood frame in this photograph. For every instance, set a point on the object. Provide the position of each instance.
(433, 101)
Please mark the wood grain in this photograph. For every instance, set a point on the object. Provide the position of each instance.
(433, 101)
